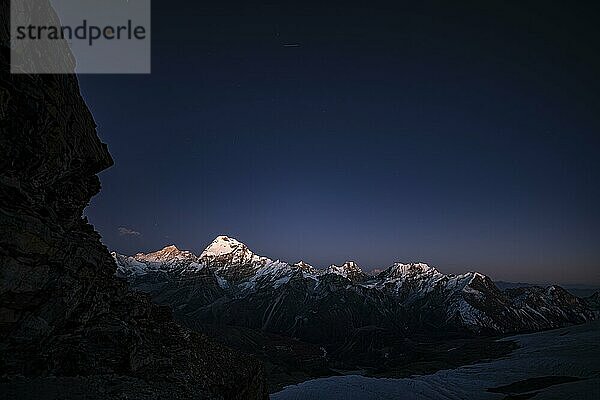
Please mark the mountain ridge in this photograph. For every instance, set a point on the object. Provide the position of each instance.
(373, 271)
(469, 302)
(295, 317)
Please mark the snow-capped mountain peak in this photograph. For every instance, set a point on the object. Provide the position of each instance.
(349, 270)
(304, 266)
(169, 259)
(233, 262)
(399, 270)
(168, 253)
(223, 245)
(351, 265)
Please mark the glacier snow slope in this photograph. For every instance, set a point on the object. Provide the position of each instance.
(572, 351)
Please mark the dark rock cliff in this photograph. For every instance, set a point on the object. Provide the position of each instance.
(68, 327)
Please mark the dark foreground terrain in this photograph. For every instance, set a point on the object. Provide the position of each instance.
(290, 361)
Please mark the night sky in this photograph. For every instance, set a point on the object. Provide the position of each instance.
(465, 136)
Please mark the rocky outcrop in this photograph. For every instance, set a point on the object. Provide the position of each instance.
(66, 322)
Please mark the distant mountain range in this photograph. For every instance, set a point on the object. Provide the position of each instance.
(304, 322)
(579, 290)
(229, 284)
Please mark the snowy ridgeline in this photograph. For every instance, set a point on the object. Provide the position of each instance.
(229, 256)
(571, 352)
(227, 270)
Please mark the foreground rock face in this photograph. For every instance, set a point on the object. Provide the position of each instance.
(64, 317)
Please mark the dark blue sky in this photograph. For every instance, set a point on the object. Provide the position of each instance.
(465, 136)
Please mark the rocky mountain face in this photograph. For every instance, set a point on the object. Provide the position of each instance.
(68, 326)
(230, 285)
(593, 301)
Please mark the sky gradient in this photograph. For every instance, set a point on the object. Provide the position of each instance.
(461, 136)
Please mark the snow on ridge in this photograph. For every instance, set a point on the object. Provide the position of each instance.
(412, 268)
(351, 265)
(127, 265)
(168, 253)
(275, 272)
(304, 266)
(235, 262)
(426, 273)
(347, 268)
(230, 253)
(167, 259)
(222, 245)
(308, 271)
